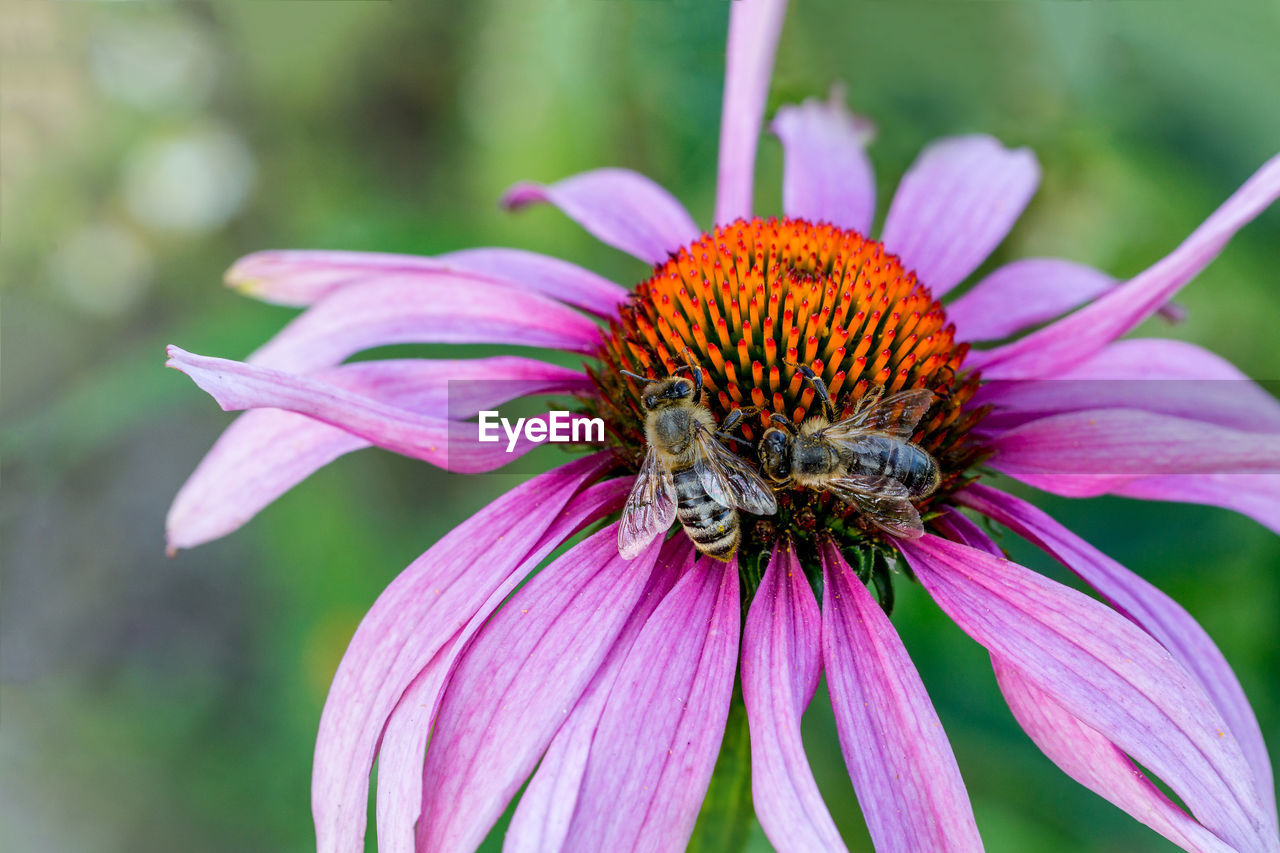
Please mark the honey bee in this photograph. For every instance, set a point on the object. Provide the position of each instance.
(866, 459)
(688, 474)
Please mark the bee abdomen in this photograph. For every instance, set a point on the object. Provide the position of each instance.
(905, 462)
(712, 527)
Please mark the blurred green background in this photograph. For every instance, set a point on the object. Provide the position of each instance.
(160, 704)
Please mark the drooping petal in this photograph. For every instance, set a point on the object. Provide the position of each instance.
(304, 277)
(1092, 452)
(781, 659)
(1254, 495)
(1152, 374)
(957, 527)
(1022, 294)
(541, 820)
(1105, 671)
(404, 739)
(1095, 762)
(902, 766)
(266, 452)
(513, 686)
(826, 174)
(428, 307)
(453, 445)
(658, 737)
(754, 28)
(621, 208)
(421, 613)
(956, 204)
(1158, 614)
(1048, 351)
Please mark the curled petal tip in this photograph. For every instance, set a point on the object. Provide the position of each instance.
(522, 195)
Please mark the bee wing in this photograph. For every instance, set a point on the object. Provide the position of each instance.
(729, 480)
(650, 508)
(883, 500)
(896, 415)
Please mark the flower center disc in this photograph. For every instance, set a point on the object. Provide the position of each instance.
(750, 301)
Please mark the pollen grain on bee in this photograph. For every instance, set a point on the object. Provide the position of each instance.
(556, 426)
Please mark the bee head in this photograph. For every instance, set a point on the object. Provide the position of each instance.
(666, 392)
(775, 454)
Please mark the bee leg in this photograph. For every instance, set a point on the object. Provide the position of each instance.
(820, 388)
(784, 422)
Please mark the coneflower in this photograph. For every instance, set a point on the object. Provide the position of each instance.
(605, 684)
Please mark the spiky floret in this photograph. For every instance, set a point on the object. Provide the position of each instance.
(749, 301)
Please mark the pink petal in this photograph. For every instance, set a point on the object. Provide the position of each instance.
(826, 174)
(754, 28)
(428, 307)
(1152, 374)
(1028, 292)
(1077, 336)
(1105, 671)
(542, 818)
(1095, 451)
(1158, 614)
(420, 614)
(515, 684)
(266, 452)
(453, 445)
(1254, 495)
(1095, 762)
(781, 659)
(621, 208)
(898, 756)
(303, 277)
(956, 204)
(1023, 294)
(658, 738)
(957, 527)
(404, 739)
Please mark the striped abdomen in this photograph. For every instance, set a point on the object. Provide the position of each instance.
(712, 527)
(882, 456)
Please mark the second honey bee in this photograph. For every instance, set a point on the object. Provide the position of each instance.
(688, 474)
(866, 459)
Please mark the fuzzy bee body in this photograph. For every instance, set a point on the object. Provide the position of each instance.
(688, 476)
(713, 528)
(884, 456)
(866, 459)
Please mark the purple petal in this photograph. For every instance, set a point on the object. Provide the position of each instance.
(1254, 495)
(304, 277)
(514, 685)
(453, 445)
(658, 738)
(1092, 452)
(266, 452)
(957, 527)
(826, 175)
(754, 28)
(542, 818)
(1077, 336)
(955, 205)
(1026, 293)
(1151, 374)
(428, 307)
(621, 208)
(898, 756)
(1158, 614)
(781, 659)
(1023, 294)
(421, 613)
(1105, 671)
(1093, 761)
